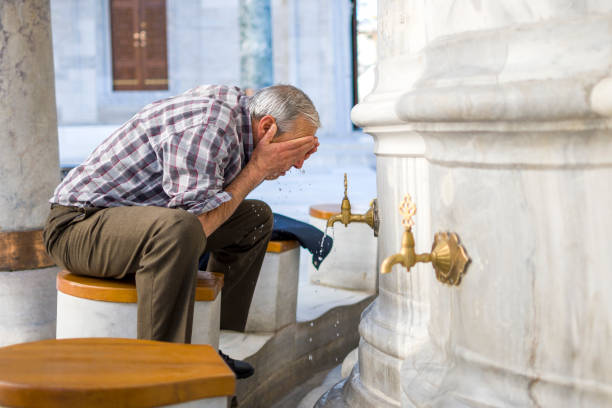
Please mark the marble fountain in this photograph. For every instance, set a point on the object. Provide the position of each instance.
(495, 117)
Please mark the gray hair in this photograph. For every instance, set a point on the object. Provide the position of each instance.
(284, 103)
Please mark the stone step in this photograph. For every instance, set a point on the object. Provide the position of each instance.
(325, 331)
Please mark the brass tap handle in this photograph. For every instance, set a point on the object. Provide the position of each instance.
(447, 256)
(345, 187)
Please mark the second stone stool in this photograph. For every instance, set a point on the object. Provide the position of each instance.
(275, 299)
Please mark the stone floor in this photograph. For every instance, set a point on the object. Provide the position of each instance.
(289, 360)
(307, 394)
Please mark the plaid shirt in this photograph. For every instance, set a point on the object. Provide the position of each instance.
(179, 152)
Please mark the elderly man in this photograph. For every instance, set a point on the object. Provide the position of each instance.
(169, 185)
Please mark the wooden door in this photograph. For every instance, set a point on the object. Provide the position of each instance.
(138, 30)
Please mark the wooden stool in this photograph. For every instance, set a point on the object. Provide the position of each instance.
(102, 372)
(92, 307)
(352, 262)
(275, 298)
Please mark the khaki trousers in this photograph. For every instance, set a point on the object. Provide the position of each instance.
(161, 247)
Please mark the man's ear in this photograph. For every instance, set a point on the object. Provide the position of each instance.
(265, 123)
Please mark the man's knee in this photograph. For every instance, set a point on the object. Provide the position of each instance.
(185, 231)
(262, 214)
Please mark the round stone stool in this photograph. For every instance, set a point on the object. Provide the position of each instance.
(352, 263)
(103, 372)
(92, 307)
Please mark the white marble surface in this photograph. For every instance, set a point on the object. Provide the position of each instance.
(351, 263)
(29, 154)
(242, 345)
(349, 363)
(275, 297)
(511, 100)
(207, 322)
(28, 161)
(397, 321)
(27, 305)
(531, 315)
(316, 300)
(78, 317)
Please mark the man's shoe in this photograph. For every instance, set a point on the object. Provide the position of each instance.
(242, 369)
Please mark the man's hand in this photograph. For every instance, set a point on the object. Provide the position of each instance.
(271, 160)
(313, 150)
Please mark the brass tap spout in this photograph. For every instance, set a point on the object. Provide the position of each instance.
(346, 217)
(407, 257)
(447, 256)
(388, 263)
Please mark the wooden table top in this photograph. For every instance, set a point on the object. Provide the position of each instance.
(103, 372)
(124, 290)
(324, 211)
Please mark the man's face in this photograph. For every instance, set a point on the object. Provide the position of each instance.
(302, 127)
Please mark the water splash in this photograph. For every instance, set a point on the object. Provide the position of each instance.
(320, 252)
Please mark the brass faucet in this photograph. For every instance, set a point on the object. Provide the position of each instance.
(447, 256)
(345, 216)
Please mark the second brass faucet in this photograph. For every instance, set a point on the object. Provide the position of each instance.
(448, 257)
(346, 217)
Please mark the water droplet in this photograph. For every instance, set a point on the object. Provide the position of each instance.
(310, 339)
(337, 334)
(310, 357)
(311, 324)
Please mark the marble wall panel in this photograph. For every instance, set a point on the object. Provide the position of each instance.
(27, 305)
(28, 159)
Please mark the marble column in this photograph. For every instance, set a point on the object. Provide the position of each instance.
(256, 69)
(512, 100)
(29, 170)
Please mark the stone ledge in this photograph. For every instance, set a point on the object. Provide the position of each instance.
(291, 355)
